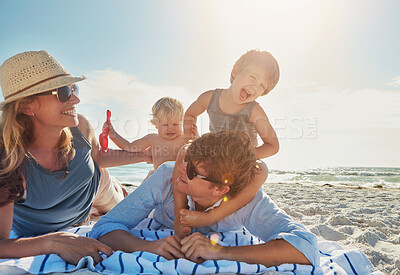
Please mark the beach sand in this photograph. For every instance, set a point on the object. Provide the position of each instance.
(368, 218)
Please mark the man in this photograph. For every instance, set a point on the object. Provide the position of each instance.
(214, 157)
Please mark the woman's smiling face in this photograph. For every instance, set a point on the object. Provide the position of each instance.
(49, 111)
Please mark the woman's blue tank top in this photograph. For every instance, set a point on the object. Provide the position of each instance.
(53, 203)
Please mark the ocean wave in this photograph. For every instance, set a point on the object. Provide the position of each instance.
(338, 173)
(365, 177)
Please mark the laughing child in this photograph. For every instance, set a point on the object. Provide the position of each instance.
(253, 75)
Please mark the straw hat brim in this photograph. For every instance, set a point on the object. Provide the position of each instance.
(43, 87)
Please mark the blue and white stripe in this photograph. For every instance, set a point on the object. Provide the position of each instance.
(334, 260)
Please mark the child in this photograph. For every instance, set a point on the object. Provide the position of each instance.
(254, 74)
(167, 115)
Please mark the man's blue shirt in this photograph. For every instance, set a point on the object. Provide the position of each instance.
(261, 216)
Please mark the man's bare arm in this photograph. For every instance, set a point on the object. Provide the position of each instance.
(273, 253)
(122, 240)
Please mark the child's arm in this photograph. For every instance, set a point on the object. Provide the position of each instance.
(138, 145)
(194, 110)
(199, 219)
(264, 128)
(180, 200)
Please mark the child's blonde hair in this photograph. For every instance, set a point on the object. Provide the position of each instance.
(166, 107)
(270, 63)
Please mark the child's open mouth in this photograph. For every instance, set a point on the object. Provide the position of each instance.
(244, 94)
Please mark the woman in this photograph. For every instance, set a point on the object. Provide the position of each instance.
(50, 160)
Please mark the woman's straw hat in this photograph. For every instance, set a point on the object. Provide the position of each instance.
(30, 73)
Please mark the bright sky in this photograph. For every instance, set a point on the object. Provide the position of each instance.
(337, 102)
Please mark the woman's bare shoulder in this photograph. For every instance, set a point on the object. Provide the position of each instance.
(85, 127)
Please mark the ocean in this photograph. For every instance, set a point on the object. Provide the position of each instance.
(364, 177)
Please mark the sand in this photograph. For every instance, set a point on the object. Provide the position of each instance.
(368, 219)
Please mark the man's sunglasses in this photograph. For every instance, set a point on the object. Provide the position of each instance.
(191, 173)
(63, 93)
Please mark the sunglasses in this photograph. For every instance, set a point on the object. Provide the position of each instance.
(64, 93)
(191, 173)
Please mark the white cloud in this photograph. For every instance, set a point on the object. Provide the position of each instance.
(336, 109)
(395, 82)
(126, 90)
(330, 126)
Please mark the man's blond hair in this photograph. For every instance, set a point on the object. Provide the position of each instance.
(166, 108)
(227, 157)
(270, 64)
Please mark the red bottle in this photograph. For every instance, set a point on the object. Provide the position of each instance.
(103, 137)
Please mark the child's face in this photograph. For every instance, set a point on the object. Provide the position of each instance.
(170, 128)
(249, 83)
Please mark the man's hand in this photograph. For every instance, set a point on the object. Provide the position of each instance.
(169, 248)
(198, 248)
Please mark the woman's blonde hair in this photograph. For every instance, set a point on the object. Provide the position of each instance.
(15, 137)
(227, 157)
(166, 107)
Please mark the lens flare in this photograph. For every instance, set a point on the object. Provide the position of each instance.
(214, 238)
(213, 245)
(228, 178)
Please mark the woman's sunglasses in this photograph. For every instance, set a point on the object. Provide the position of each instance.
(63, 93)
(191, 173)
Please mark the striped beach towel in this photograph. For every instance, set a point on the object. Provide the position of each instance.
(334, 260)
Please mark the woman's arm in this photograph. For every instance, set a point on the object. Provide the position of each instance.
(111, 157)
(68, 246)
